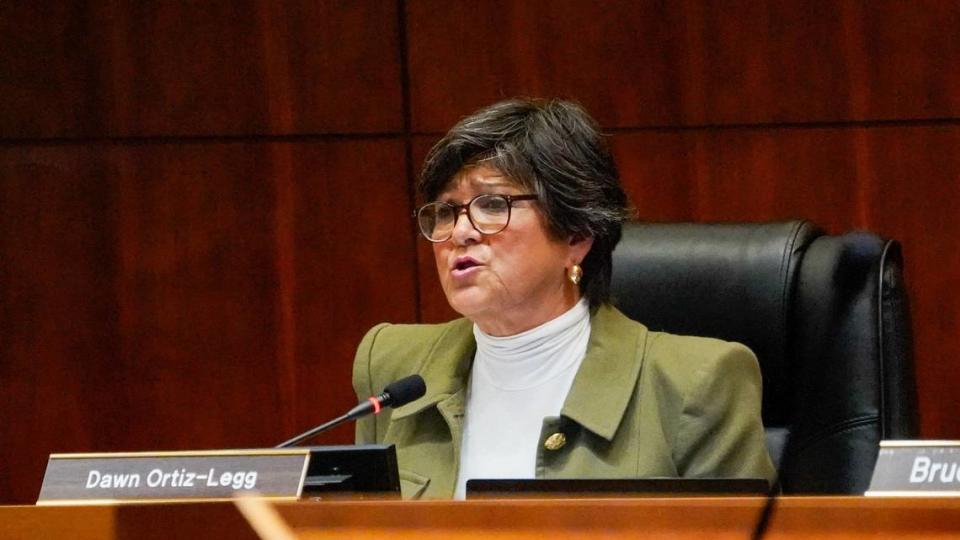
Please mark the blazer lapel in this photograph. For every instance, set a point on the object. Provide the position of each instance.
(445, 372)
(446, 369)
(605, 382)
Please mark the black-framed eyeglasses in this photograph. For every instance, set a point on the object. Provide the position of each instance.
(488, 213)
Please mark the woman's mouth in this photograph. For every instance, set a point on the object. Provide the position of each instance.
(463, 266)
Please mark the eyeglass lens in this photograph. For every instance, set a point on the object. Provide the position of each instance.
(488, 214)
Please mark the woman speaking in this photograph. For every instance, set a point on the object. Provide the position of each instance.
(542, 377)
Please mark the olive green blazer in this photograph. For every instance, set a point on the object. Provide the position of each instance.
(643, 404)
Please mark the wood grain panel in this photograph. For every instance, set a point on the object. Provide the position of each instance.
(87, 68)
(759, 174)
(196, 291)
(355, 267)
(655, 175)
(688, 63)
(142, 291)
(58, 317)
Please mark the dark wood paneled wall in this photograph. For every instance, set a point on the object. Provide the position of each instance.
(203, 206)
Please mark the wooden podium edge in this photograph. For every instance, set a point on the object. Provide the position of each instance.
(124, 502)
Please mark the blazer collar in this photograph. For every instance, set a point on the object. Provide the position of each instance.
(601, 389)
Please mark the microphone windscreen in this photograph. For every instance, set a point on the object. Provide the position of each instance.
(405, 390)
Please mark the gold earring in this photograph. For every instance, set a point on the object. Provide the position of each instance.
(575, 274)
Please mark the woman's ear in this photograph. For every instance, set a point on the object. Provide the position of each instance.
(579, 247)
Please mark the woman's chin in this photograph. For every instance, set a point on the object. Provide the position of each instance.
(469, 303)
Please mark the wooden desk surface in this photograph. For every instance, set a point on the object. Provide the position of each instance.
(677, 518)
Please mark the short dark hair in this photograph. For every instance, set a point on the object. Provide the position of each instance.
(554, 149)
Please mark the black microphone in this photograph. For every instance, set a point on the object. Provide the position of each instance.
(395, 394)
(773, 495)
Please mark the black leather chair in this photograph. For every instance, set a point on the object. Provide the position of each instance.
(826, 316)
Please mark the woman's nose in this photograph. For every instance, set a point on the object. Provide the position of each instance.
(463, 231)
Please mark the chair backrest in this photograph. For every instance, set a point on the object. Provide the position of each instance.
(826, 316)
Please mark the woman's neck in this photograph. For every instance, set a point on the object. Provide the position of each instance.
(510, 322)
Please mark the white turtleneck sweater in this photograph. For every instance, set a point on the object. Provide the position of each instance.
(517, 381)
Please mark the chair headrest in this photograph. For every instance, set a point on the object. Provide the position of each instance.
(728, 281)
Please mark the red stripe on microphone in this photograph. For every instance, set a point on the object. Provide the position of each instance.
(376, 405)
